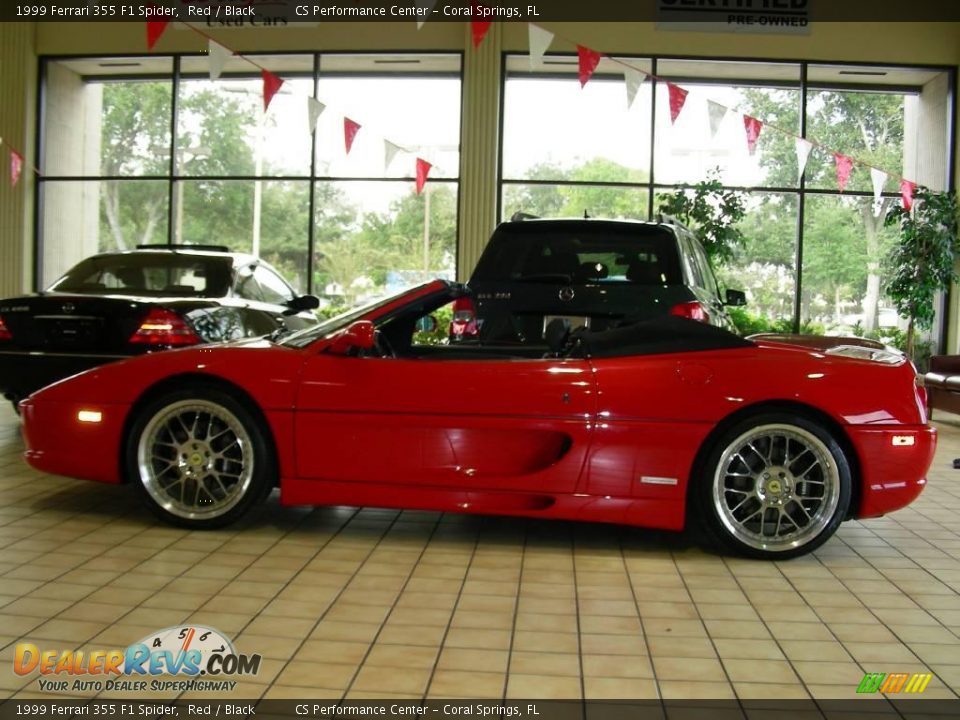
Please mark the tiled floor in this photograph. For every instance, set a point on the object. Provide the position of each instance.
(370, 603)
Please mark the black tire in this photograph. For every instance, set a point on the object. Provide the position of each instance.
(199, 441)
(773, 470)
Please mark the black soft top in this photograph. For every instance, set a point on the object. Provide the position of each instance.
(660, 336)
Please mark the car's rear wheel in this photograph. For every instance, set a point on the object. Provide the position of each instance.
(774, 486)
(199, 458)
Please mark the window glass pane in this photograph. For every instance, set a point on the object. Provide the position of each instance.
(373, 238)
(765, 267)
(81, 218)
(107, 116)
(272, 287)
(844, 243)
(267, 218)
(687, 149)
(555, 130)
(393, 100)
(223, 130)
(549, 200)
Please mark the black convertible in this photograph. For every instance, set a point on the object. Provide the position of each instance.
(114, 305)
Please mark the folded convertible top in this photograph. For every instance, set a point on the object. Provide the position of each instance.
(660, 336)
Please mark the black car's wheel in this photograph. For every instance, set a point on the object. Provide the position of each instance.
(774, 486)
(199, 458)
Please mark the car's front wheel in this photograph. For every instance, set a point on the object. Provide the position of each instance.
(774, 486)
(199, 458)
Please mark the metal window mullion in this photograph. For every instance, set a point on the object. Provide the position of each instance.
(801, 208)
(312, 193)
(174, 116)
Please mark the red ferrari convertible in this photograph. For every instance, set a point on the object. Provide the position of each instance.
(767, 446)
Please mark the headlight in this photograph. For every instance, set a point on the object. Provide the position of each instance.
(888, 356)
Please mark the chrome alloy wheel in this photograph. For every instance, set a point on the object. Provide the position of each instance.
(776, 487)
(195, 459)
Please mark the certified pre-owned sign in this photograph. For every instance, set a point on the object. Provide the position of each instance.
(758, 16)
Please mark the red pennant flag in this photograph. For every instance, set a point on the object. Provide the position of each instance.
(480, 28)
(678, 96)
(423, 169)
(350, 130)
(753, 128)
(844, 168)
(589, 59)
(271, 86)
(16, 167)
(906, 192)
(155, 28)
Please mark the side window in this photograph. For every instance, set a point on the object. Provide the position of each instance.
(690, 263)
(247, 287)
(710, 280)
(272, 288)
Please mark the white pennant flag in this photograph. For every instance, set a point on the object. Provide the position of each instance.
(424, 11)
(315, 109)
(217, 56)
(390, 151)
(803, 148)
(540, 40)
(879, 178)
(717, 113)
(634, 79)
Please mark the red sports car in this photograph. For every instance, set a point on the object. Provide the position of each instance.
(767, 446)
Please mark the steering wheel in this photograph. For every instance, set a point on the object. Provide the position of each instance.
(383, 346)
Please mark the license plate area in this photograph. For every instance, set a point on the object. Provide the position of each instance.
(71, 331)
(575, 321)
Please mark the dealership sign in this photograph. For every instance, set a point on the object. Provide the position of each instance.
(751, 16)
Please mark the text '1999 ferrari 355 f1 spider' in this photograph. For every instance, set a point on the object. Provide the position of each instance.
(765, 445)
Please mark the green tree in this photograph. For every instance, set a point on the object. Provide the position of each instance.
(922, 263)
(867, 126)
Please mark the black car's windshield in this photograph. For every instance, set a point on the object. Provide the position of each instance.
(305, 337)
(583, 253)
(149, 274)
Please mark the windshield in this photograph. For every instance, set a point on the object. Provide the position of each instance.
(150, 274)
(304, 337)
(581, 253)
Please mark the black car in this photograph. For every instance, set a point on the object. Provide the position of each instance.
(597, 274)
(114, 305)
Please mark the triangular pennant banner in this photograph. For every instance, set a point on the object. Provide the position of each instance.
(479, 28)
(540, 40)
(678, 96)
(424, 10)
(844, 168)
(879, 179)
(752, 126)
(423, 169)
(716, 112)
(16, 167)
(390, 151)
(217, 56)
(802, 148)
(906, 192)
(271, 86)
(588, 61)
(634, 79)
(350, 130)
(155, 28)
(315, 109)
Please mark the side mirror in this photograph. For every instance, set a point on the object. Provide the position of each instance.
(356, 336)
(736, 298)
(427, 324)
(301, 303)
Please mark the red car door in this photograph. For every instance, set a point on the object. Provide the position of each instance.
(508, 424)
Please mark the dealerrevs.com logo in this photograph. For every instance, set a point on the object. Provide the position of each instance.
(202, 655)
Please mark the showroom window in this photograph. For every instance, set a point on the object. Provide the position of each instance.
(150, 150)
(569, 151)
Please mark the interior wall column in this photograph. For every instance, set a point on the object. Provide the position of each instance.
(479, 147)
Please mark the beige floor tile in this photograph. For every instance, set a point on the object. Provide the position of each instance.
(815, 650)
(616, 666)
(661, 646)
(770, 691)
(531, 641)
(473, 638)
(467, 684)
(402, 656)
(392, 680)
(680, 668)
(469, 659)
(759, 671)
(333, 651)
(550, 687)
(615, 688)
(695, 690)
(829, 673)
(544, 663)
